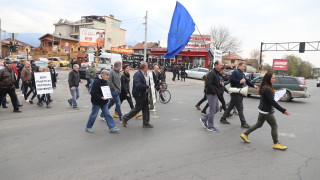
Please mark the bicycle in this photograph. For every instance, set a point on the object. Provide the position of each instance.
(164, 93)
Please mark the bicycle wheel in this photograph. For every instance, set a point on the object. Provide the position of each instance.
(164, 96)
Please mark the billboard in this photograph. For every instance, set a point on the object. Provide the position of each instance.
(92, 37)
(280, 64)
(121, 50)
(199, 41)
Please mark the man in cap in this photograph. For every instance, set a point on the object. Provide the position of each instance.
(7, 81)
(100, 102)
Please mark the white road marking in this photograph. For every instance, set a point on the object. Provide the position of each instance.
(287, 135)
(175, 119)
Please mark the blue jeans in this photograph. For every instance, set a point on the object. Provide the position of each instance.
(91, 83)
(75, 95)
(105, 111)
(115, 100)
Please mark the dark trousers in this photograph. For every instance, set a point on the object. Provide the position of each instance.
(174, 76)
(129, 99)
(178, 76)
(236, 101)
(26, 93)
(12, 94)
(16, 84)
(271, 120)
(141, 104)
(202, 100)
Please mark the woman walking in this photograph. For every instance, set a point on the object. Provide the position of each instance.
(266, 111)
(125, 88)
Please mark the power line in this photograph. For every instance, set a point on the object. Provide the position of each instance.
(159, 24)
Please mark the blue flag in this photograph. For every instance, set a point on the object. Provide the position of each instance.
(182, 27)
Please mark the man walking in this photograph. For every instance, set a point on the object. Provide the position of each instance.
(26, 76)
(114, 82)
(74, 80)
(140, 93)
(237, 80)
(7, 81)
(212, 86)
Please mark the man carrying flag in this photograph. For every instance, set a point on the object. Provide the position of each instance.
(182, 27)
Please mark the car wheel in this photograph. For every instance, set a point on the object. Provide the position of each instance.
(318, 85)
(204, 77)
(286, 97)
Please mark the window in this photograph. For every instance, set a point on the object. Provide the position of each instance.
(203, 70)
(109, 40)
(233, 61)
(288, 80)
(258, 80)
(196, 69)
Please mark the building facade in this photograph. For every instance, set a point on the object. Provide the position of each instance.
(114, 35)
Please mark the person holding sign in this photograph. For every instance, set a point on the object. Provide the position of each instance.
(140, 93)
(266, 111)
(100, 93)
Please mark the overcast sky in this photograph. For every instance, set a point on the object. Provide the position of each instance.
(252, 21)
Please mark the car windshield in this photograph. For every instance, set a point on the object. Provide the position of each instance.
(41, 64)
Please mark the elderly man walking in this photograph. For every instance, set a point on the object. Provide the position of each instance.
(74, 80)
(7, 81)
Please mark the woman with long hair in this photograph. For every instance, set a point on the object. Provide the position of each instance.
(266, 111)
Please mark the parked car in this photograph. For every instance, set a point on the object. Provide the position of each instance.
(42, 65)
(197, 73)
(318, 82)
(303, 79)
(294, 86)
(43, 59)
(16, 57)
(255, 75)
(57, 61)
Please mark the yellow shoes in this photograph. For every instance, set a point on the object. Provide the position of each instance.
(245, 138)
(115, 115)
(138, 115)
(279, 146)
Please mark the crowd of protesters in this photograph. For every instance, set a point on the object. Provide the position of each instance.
(119, 86)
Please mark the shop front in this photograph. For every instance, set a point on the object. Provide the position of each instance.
(188, 57)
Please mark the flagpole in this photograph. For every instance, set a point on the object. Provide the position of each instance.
(145, 38)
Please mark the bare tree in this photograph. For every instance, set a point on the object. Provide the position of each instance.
(255, 58)
(222, 39)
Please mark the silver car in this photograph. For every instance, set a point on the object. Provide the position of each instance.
(197, 73)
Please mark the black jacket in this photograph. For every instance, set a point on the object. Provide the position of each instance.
(96, 92)
(267, 101)
(212, 83)
(125, 85)
(74, 79)
(53, 76)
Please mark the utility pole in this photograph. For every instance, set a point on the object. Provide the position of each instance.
(52, 44)
(145, 38)
(13, 43)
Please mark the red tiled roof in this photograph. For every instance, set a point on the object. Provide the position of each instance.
(232, 57)
(141, 45)
(20, 43)
(82, 55)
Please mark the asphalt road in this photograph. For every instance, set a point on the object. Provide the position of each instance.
(42, 143)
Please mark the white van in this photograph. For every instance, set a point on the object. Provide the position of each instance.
(106, 60)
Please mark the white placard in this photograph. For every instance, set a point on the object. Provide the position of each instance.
(153, 92)
(106, 92)
(217, 55)
(279, 94)
(43, 82)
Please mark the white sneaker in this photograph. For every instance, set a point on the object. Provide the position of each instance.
(153, 110)
(27, 100)
(102, 118)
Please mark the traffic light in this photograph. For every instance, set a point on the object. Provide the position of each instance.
(302, 46)
(99, 51)
(13, 46)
